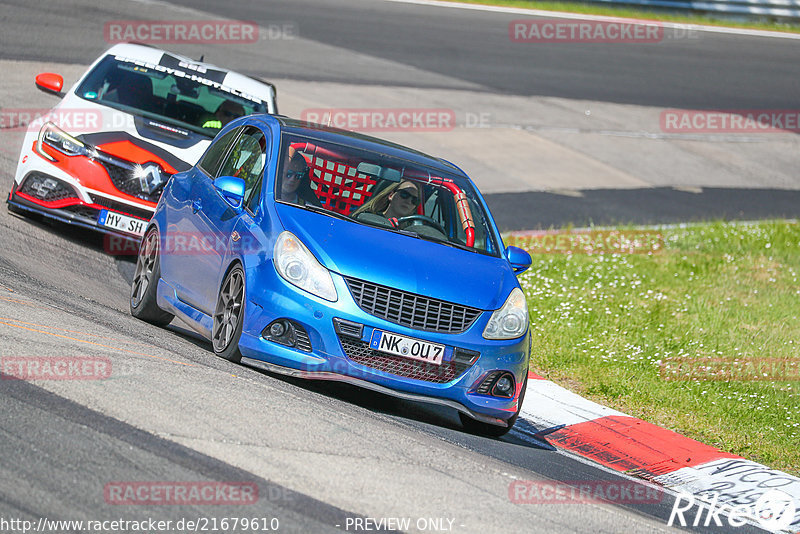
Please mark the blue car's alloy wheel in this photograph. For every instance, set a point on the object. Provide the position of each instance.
(227, 326)
(145, 281)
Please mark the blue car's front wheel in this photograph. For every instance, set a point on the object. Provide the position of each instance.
(229, 315)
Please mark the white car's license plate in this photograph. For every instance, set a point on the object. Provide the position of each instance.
(408, 347)
(123, 223)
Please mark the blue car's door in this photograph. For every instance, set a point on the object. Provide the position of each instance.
(178, 252)
(213, 219)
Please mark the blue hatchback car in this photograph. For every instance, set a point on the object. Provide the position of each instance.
(326, 254)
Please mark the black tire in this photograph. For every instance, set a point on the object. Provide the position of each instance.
(145, 282)
(228, 316)
(493, 431)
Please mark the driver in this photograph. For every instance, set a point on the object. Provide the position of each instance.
(395, 202)
(295, 186)
(403, 201)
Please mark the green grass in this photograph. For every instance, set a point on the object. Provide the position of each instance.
(628, 12)
(604, 325)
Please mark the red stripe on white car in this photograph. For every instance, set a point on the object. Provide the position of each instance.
(135, 154)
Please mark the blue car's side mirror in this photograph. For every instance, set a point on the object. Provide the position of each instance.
(519, 259)
(231, 189)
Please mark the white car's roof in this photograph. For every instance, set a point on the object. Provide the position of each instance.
(156, 56)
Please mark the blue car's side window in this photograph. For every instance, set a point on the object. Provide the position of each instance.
(246, 160)
(211, 160)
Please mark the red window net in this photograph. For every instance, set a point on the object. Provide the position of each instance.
(339, 187)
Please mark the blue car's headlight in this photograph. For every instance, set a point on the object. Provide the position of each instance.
(299, 267)
(511, 320)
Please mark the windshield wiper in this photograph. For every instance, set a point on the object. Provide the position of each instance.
(389, 228)
(445, 242)
(318, 209)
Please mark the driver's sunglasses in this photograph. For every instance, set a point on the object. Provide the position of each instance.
(297, 175)
(405, 195)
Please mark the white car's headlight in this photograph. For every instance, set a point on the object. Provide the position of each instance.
(511, 320)
(299, 267)
(52, 135)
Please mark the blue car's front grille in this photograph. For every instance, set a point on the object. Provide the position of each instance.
(360, 352)
(411, 310)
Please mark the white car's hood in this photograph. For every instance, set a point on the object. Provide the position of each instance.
(114, 131)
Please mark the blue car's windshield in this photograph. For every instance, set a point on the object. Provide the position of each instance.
(182, 98)
(389, 193)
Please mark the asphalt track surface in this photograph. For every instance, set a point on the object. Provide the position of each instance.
(320, 454)
(406, 45)
(699, 71)
(703, 72)
(650, 206)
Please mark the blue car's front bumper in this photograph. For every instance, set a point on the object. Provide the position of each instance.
(334, 353)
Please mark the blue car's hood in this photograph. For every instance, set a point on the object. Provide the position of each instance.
(401, 261)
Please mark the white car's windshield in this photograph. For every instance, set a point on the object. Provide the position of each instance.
(375, 189)
(179, 97)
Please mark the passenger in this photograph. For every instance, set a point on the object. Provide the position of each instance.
(395, 202)
(295, 186)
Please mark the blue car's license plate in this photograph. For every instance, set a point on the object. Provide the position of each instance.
(407, 347)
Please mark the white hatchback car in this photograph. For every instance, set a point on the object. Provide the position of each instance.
(101, 157)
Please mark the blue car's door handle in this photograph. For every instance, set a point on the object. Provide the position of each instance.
(196, 206)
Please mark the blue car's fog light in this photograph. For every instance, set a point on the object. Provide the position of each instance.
(287, 333)
(498, 384)
(504, 387)
(277, 329)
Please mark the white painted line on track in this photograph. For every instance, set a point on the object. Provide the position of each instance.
(550, 406)
(604, 18)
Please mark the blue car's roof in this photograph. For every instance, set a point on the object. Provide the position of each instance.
(354, 139)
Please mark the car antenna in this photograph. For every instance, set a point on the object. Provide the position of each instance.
(201, 58)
